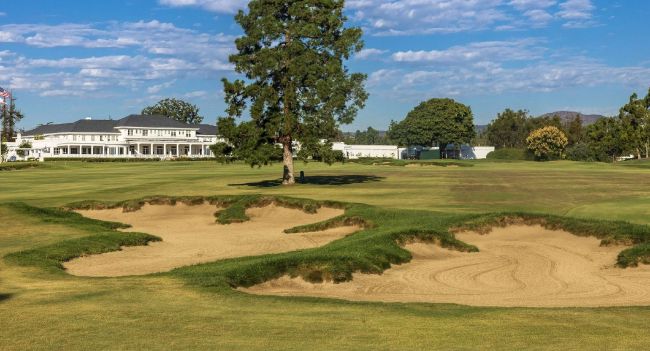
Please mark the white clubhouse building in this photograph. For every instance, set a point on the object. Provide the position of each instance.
(137, 136)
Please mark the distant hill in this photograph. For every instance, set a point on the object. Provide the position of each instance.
(568, 116)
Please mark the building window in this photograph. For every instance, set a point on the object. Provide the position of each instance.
(188, 134)
(145, 132)
(129, 132)
(173, 133)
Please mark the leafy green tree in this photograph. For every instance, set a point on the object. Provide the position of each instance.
(23, 145)
(547, 143)
(292, 54)
(581, 152)
(575, 131)
(370, 136)
(436, 121)
(10, 116)
(534, 123)
(509, 129)
(3, 149)
(635, 119)
(604, 139)
(179, 110)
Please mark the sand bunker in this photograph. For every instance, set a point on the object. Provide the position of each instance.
(191, 236)
(517, 266)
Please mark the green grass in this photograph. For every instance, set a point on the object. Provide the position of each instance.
(393, 162)
(195, 307)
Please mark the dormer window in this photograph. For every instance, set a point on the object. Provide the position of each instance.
(129, 132)
(145, 132)
(173, 133)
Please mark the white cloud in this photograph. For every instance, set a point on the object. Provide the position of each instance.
(517, 50)
(220, 6)
(155, 89)
(576, 9)
(495, 78)
(157, 53)
(407, 17)
(196, 94)
(525, 5)
(369, 53)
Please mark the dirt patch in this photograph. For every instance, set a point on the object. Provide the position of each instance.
(191, 236)
(516, 266)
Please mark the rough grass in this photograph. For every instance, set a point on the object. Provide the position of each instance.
(105, 238)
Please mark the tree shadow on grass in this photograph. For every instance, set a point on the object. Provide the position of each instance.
(318, 180)
(5, 297)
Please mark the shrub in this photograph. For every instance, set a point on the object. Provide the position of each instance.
(510, 154)
(581, 152)
(547, 143)
(25, 145)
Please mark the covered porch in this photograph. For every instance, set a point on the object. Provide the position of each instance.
(164, 150)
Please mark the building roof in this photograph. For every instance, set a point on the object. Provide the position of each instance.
(152, 121)
(80, 126)
(109, 125)
(207, 129)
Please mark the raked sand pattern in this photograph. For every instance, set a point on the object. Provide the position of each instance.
(516, 266)
(191, 236)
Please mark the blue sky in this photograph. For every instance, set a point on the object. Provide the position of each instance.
(69, 59)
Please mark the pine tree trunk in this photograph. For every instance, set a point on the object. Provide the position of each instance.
(287, 157)
(4, 117)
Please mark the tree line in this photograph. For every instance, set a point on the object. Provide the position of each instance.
(605, 140)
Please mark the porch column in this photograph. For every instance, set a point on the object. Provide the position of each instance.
(189, 152)
(151, 149)
(178, 150)
(165, 150)
(137, 151)
(68, 150)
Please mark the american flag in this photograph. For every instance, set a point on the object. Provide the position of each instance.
(4, 93)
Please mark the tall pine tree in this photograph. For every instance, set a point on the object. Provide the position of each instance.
(297, 87)
(10, 116)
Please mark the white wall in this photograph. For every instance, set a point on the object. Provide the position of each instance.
(382, 151)
(475, 152)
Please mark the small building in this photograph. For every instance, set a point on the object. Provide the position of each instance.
(371, 151)
(466, 152)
